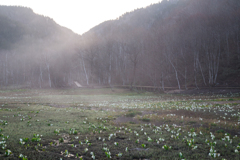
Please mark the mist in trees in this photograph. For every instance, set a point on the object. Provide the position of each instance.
(34, 50)
(175, 43)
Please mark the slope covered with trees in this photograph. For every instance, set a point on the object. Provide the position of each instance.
(174, 43)
(34, 50)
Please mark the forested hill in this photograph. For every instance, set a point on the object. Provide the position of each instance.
(174, 43)
(33, 48)
(20, 23)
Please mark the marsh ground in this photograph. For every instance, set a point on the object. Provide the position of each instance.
(99, 123)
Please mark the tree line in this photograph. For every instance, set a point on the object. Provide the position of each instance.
(175, 43)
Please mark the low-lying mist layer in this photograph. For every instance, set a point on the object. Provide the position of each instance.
(102, 124)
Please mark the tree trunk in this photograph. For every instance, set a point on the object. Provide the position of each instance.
(176, 72)
(49, 76)
(85, 70)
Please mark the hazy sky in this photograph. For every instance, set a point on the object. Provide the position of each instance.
(81, 15)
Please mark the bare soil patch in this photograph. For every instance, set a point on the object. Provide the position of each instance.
(209, 91)
(124, 119)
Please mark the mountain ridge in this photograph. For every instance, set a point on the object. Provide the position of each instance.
(171, 27)
(31, 46)
(184, 43)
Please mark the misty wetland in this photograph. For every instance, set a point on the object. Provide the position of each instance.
(118, 123)
(123, 79)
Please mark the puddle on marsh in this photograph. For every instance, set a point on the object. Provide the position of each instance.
(133, 120)
(124, 119)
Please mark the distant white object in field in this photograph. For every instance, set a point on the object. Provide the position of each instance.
(78, 85)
